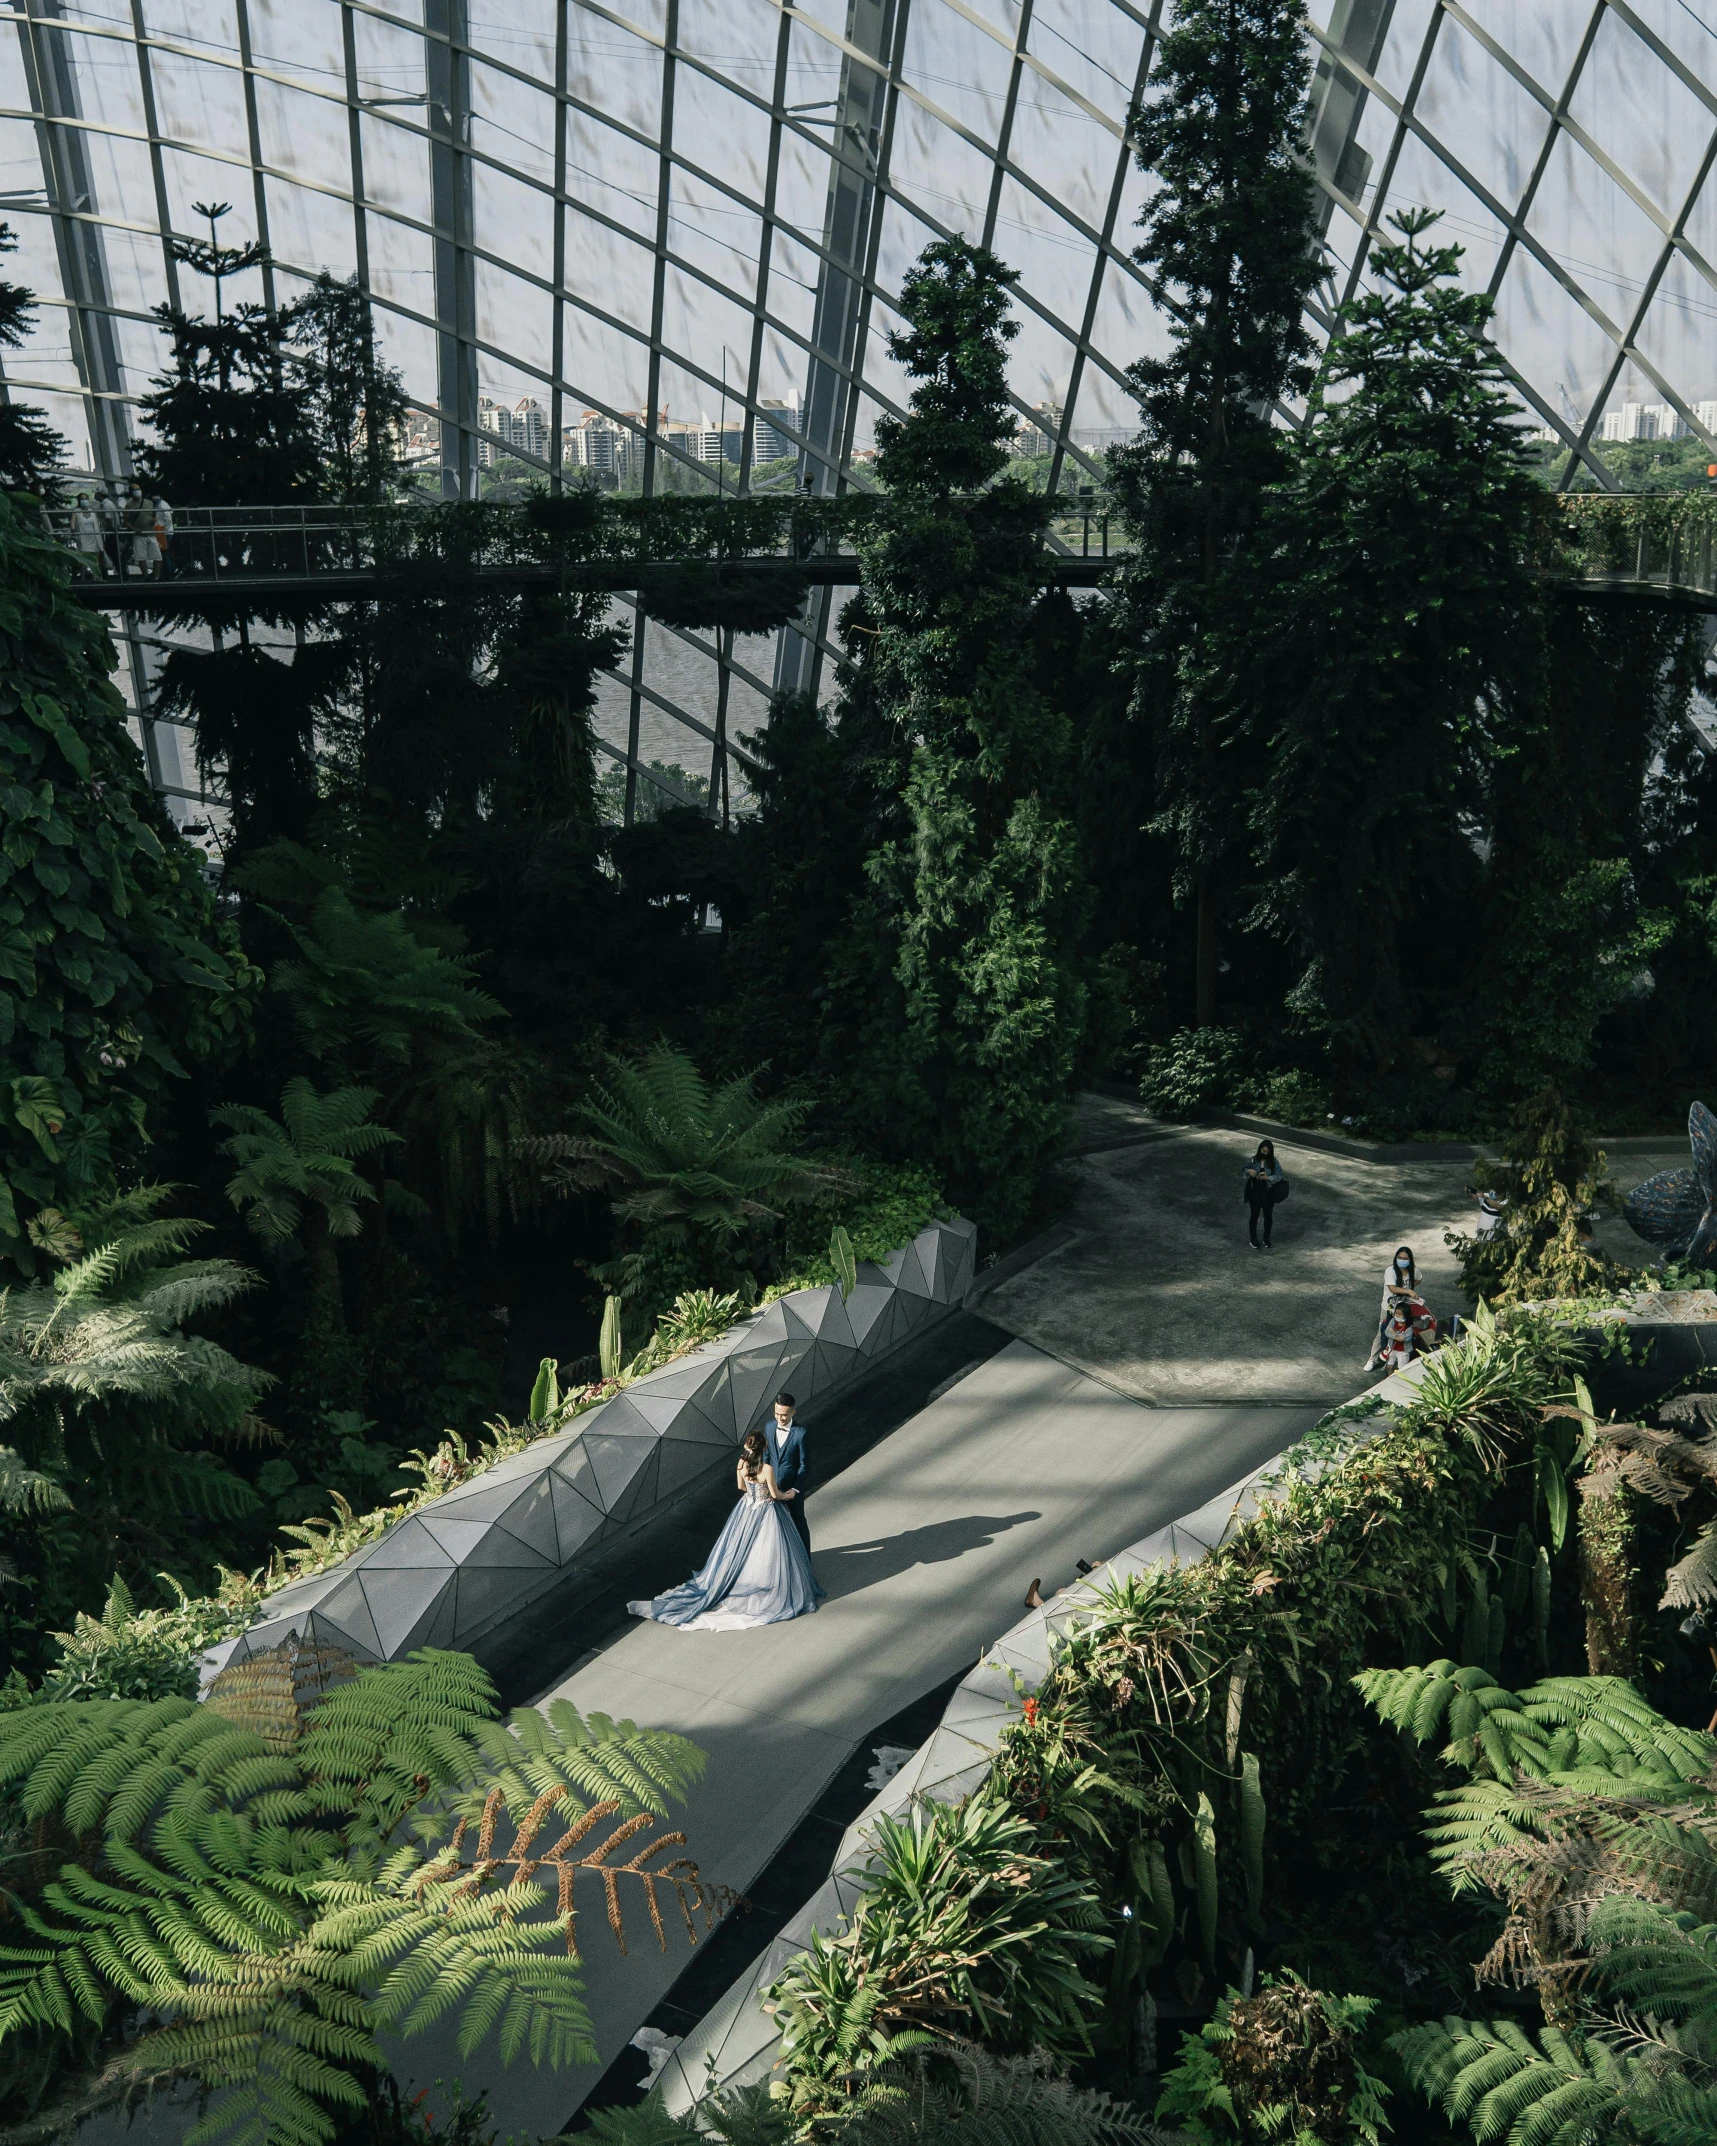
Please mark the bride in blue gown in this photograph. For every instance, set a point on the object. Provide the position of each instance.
(759, 1571)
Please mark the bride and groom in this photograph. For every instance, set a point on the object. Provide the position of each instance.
(759, 1571)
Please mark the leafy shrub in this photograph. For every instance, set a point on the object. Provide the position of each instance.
(965, 1923)
(128, 1653)
(1281, 2066)
(1552, 1181)
(889, 1205)
(1197, 1069)
(1295, 1097)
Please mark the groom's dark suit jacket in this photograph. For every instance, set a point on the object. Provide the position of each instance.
(788, 1459)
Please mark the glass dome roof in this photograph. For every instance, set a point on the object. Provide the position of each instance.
(659, 241)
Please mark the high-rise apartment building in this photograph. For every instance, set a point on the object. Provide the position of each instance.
(1643, 421)
(772, 431)
(1039, 438)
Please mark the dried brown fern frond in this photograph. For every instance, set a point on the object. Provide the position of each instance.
(1660, 1464)
(466, 1876)
(271, 1693)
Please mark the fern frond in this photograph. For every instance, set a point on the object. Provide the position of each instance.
(425, 1952)
(1492, 2075)
(26, 1490)
(1655, 1958)
(395, 1732)
(598, 1760)
(1691, 1581)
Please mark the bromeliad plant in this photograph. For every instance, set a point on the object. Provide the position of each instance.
(967, 1928)
(248, 1893)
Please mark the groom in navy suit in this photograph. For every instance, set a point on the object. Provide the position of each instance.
(787, 1458)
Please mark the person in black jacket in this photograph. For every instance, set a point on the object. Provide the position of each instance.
(1264, 1187)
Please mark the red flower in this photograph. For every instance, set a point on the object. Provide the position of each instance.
(1031, 1713)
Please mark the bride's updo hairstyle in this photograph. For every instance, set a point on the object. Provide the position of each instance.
(752, 1452)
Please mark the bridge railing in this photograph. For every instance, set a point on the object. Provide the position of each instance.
(1636, 542)
(1665, 541)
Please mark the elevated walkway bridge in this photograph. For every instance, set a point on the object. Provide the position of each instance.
(751, 556)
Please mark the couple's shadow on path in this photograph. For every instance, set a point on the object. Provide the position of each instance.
(857, 1565)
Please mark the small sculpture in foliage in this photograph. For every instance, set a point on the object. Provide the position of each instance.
(1280, 2066)
(1677, 1209)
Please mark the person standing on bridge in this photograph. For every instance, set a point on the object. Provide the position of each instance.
(164, 537)
(110, 505)
(86, 534)
(140, 522)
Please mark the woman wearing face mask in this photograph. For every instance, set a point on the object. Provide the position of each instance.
(1405, 1328)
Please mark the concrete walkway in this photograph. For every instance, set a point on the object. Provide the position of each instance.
(1156, 1290)
(925, 1546)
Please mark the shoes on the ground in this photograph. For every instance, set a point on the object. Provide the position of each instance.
(1268, 1247)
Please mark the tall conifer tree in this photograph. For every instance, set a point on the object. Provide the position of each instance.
(1391, 655)
(30, 449)
(1229, 241)
(962, 1008)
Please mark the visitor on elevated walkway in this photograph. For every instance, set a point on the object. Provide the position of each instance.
(145, 557)
(164, 537)
(1264, 1189)
(86, 534)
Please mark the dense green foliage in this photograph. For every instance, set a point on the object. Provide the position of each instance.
(248, 1892)
(963, 1056)
(115, 974)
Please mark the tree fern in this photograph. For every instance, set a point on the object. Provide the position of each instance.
(277, 1875)
(1496, 2078)
(1556, 1725)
